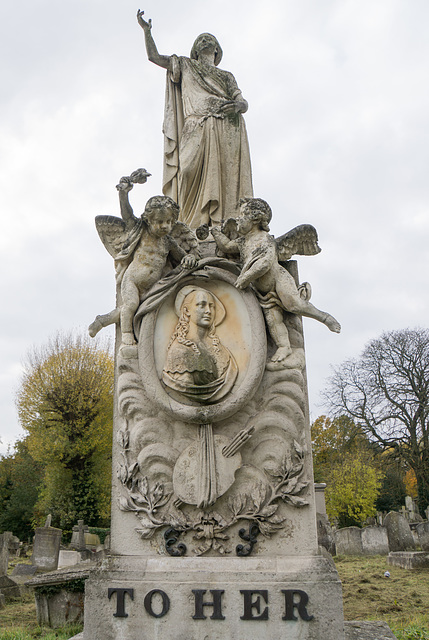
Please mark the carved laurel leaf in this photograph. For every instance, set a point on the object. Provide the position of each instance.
(237, 503)
(258, 495)
(268, 510)
(300, 486)
(148, 529)
(125, 504)
(123, 438)
(143, 485)
(295, 501)
(290, 485)
(298, 449)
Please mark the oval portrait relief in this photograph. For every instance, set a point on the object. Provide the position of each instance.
(202, 353)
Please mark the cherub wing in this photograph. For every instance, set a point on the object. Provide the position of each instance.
(112, 232)
(301, 240)
(185, 238)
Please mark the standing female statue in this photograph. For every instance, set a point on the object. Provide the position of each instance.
(206, 152)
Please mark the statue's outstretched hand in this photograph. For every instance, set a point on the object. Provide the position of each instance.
(124, 184)
(142, 22)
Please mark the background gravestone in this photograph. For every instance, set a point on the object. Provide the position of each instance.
(46, 548)
(375, 541)
(423, 534)
(348, 541)
(4, 552)
(398, 532)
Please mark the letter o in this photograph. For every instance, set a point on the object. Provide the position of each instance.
(165, 603)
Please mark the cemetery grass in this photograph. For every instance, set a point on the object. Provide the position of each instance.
(401, 600)
(18, 622)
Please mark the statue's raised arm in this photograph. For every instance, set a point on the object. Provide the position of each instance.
(151, 48)
(206, 154)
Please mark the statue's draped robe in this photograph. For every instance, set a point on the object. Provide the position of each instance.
(206, 153)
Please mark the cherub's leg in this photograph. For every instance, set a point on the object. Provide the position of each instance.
(278, 332)
(288, 293)
(103, 321)
(130, 302)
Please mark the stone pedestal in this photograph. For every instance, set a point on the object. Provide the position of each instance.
(46, 548)
(216, 598)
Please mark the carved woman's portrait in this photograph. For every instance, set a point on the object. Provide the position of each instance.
(198, 365)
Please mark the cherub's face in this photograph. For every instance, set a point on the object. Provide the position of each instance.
(244, 223)
(201, 309)
(161, 222)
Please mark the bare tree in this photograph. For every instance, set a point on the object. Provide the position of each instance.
(386, 392)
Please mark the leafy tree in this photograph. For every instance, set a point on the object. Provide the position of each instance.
(20, 478)
(331, 439)
(386, 392)
(65, 405)
(352, 490)
(344, 458)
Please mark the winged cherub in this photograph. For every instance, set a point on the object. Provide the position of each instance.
(259, 254)
(141, 248)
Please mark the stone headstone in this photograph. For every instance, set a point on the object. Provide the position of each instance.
(4, 552)
(348, 541)
(325, 534)
(68, 558)
(78, 536)
(409, 559)
(92, 540)
(2, 601)
(398, 532)
(423, 534)
(427, 512)
(46, 548)
(22, 572)
(9, 588)
(375, 541)
(319, 494)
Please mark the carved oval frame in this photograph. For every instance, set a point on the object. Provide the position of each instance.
(239, 395)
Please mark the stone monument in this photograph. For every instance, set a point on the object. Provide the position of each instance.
(213, 531)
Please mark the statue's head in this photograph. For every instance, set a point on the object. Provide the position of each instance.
(199, 306)
(203, 41)
(161, 214)
(258, 210)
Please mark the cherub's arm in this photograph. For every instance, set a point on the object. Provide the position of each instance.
(124, 187)
(151, 48)
(223, 242)
(258, 265)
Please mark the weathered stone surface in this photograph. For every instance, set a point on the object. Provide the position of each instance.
(4, 552)
(348, 541)
(22, 572)
(177, 577)
(362, 630)
(423, 535)
(59, 609)
(409, 559)
(325, 533)
(46, 548)
(399, 532)
(375, 541)
(2, 601)
(319, 494)
(9, 588)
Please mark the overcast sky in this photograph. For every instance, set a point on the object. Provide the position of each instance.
(338, 94)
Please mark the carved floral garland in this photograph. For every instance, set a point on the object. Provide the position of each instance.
(258, 507)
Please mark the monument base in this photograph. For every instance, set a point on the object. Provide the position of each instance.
(135, 598)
